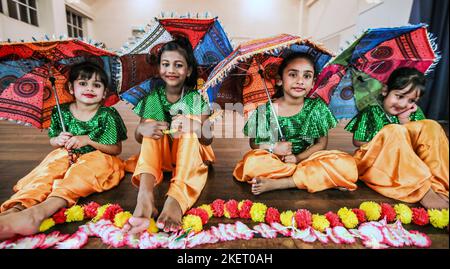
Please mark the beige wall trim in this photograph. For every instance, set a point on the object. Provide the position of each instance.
(80, 10)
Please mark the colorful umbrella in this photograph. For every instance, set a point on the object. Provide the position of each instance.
(248, 74)
(354, 79)
(208, 39)
(27, 69)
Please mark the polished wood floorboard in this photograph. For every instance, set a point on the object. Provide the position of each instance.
(22, 148)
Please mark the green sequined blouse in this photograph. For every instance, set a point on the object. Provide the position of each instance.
(312, 122)
(371, 119)
(156, 106)
(106, 127)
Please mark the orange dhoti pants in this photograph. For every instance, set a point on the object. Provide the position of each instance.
(404, 161)
(322, 170)
(54, 177)
(186, 158)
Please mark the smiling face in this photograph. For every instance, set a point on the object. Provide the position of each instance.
(298, 78)
(88, 91)
(397, 101)
(174, 69)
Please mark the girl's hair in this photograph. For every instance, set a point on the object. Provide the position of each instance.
(86, 70)
(286, 61)
(184, 47)
(405, 76)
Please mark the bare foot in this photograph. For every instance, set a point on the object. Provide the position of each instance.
(170, 218)
(261, 185)
(145, 208)
(14, 209)
(433, 200)
(25, 222)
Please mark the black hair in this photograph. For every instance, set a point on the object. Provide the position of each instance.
(86, 70)
(405, 76)
(184, 47)
(287, 60)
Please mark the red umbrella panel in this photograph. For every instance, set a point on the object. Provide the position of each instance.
(411, 49)
(30, 99)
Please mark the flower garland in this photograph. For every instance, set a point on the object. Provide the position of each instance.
(369, 222)
(196, 218)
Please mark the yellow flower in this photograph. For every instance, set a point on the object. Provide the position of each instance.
(438, 218)
(404, 213)
(208, 209)
(121, 218)
(46, 224)
(286, 218)
(152, 228)
(348, 218)
(100, 211)
(258, 212)
(75, 213)
(372, 210)
(320, 222)
(192, 223)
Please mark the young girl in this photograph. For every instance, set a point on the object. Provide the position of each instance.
(401, 154)
(94, 135)
(299, 161)
(186, 152)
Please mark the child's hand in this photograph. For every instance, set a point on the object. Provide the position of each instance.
(405, 114)
(62, 138)
(185, 125)
(283, 148)
(153, 129)
(290, 159)
(76, 142)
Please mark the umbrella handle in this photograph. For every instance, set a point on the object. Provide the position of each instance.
(52, 81)
(261, 73)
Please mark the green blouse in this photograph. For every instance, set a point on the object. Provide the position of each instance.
(371, 119)
(106, 127)
(156, 106)
(312, 122)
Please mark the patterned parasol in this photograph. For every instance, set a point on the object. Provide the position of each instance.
(208, 39)
(355, 78)
(27, 94)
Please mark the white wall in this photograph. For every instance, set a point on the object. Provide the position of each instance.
(389, 13)
(334, 22)
(242, 19)
(51, 20)
(17, 30)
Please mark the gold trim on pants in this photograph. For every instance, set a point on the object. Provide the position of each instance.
(186, 158)
(53, 177)
(404, 161)
(322, 170)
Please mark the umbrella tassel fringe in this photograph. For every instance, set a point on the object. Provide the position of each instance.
(434, 46)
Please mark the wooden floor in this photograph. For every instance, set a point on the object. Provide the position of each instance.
(22, 148)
